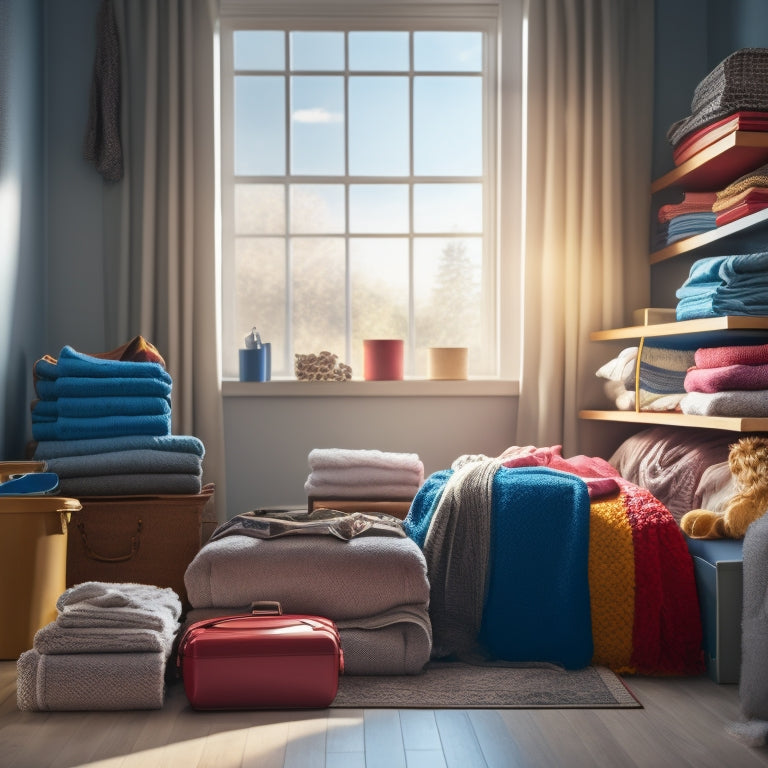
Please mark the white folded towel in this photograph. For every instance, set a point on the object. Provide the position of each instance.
(110, 606)
(106, 594)
(346, 458)
(366, 476)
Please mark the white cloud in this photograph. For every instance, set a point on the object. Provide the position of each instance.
(317, 115)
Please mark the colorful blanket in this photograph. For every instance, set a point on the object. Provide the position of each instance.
(642, 592)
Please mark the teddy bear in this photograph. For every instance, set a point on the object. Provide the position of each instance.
(748, 463)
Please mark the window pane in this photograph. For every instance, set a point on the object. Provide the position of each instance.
(447, 283)
(317, 125)
(259, 209)
(378, 51)
(448, 51)
(317, 209)
(317, 50)
(448, 207)
(260, 293)
(259, 49)
(319, 307)
(379, 280)
(378, 208)
(448, 118)
(378, 126)
(259, 125)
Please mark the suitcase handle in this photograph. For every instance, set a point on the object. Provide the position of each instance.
(266, 608)
(135, 542)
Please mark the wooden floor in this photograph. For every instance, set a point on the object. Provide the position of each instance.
(682, 724)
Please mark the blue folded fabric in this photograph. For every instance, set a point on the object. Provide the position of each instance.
(661, 381)
(689, 224)
(141, 461)
(89, 407)
(725, 285)
(73, 363)
(130, 485)
(77, 386)
(101, 426)
(416, 523)
(52, 449)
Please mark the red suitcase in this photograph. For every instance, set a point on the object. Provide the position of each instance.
(263, 660)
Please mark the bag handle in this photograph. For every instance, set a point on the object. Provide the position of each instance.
(135, 542)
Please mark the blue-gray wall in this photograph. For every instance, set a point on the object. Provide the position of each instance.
(51, 242)
(23, 276)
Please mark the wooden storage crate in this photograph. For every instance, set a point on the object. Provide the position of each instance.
(139, 539)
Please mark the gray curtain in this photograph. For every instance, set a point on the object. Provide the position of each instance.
(588, 155)
(161, 272)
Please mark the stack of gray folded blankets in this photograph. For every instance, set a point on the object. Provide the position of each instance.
(107, 650)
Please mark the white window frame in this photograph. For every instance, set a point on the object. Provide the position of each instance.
(503, 157)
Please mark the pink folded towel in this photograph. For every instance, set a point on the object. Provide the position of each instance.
(729, 377)
(718, 357)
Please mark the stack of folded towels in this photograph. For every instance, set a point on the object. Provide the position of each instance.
(662, 373)
(107, 650)
(728, 381)
(748, 194)
(341, 473)
(103, 424)
(691, 216)
(725, 285)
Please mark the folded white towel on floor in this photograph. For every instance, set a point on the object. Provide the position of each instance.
(107, 594)
(90, 681)
(112, 606)
(57, 639)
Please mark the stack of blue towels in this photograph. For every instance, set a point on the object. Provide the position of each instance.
(102, 423)
(725, 285)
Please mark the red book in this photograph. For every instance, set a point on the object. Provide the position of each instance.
(709, 134)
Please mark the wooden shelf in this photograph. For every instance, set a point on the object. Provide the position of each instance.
(719, 164)
(685, 328)
(735, 424)
(713, 243)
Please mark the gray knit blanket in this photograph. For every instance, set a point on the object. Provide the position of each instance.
(458, 554)
(739, 82)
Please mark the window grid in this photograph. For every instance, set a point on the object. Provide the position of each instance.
(346, 180)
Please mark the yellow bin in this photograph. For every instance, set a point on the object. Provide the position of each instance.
(33, 566)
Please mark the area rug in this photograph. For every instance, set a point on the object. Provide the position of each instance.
(455, 685)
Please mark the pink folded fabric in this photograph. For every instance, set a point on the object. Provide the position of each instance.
(599, 475)
(729, 377)
(718, 357)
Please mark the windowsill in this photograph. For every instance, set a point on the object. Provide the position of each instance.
(406, 388)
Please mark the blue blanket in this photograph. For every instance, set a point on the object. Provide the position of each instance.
(101, 426)
(82, 386)
(536, 605)
(73, 363)
(50, 410)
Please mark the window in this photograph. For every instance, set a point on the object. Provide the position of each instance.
(359, 184)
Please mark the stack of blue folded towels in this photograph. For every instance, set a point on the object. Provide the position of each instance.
(102, 423)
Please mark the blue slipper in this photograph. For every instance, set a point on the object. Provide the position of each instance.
(31, 483)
